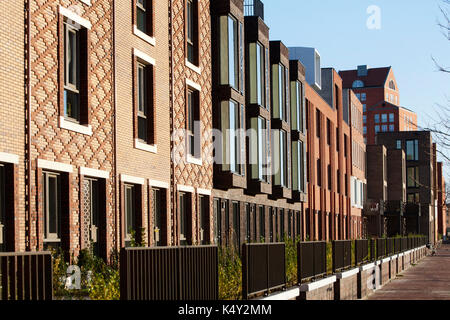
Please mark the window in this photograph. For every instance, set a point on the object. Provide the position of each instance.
(363, 97)
(318, 123)
(412, 150)
(336, 97)
(262, 223)
(257, 70)
(413, 177)
(358, 95)
(298, 166)
(345, 146)
(52, 208)
(399, 144)
(364, 119)
(282, 232)
(319, 173)
(218, 222)
(192, 31)
(413, 197)
(159, 216)
(130, 212)
(329, 176)
(229, 52)
(282, 177)
(203, 202)
(377, 118)
(280, 89)
(144, 16)
(337, 139)
(384, 128)
(2, 208)
(258, 154)
(328, 131)
(297, 112)
(358, 84)
(392, 85)
(236, 225)
(391, 117)
(271, 217)
(185, 218)
(364, 108)
(384, 118)
(233, 144)
(91, 211)
(76, 52)
(247, 222)
(364, 130)
(391, 127)
(377, 129)
(338, 180)
(145, 115)
(193, 123)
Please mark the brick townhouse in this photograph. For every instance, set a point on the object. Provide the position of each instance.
(109, 111)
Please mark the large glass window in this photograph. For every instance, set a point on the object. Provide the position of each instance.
(280, 87)
(377, 118)
(144, 16)
(412, 150)
(413, 177)
(193, 123)
(297, 106)
(130, 212)
(391, 117)
(159, 214)
(229, 52)
(144, 81)
(203, 217)
(259, 157)
(257, 73)
(283, 159)
(192, 31)
(71, 72)
(298, 166)
(384, 118)
(52, 208)
(185, 218)
(232, 123)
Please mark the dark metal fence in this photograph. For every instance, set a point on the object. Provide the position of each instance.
(397, 245)
(381, 248)
(26, 276)
(361, 251)
(263, 268)
(390, 246)
(342, 254)
(311, 260)
(170, 273)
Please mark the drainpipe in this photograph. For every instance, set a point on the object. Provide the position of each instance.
(28, 125)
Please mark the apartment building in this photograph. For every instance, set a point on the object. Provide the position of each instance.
(378, 91)
(259, 182)
(353, 116)
(328, 212)
(418, 191)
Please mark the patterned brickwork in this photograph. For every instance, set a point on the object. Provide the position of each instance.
(198, 176)
(49, 141)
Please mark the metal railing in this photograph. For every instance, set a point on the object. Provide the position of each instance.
(380, 248)
(361, 251)
(390, 250)
(342, 255)
(169, 273)
(26, 276)
(263, 268)
(311, 260)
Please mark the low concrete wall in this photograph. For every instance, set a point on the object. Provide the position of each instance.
(385, 265)
(346, 285)
(318, 290)
(393, 267)
(400, 263)
(368, 279)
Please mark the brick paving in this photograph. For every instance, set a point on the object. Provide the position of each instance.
(428, 280)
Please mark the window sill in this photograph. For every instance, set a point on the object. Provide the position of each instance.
(143, 36)
(71, 126)
(193, 67)
(145, 147)
(193, 160)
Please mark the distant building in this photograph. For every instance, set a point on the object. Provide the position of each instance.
(378, 91)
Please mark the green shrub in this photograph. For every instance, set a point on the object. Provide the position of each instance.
(230, 274)
(329, 258)
(291, 261)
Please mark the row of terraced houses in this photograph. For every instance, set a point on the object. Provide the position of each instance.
(175, 122)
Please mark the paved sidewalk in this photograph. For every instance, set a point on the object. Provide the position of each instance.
(428, 280)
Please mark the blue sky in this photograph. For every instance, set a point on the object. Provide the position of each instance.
(407, 40)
